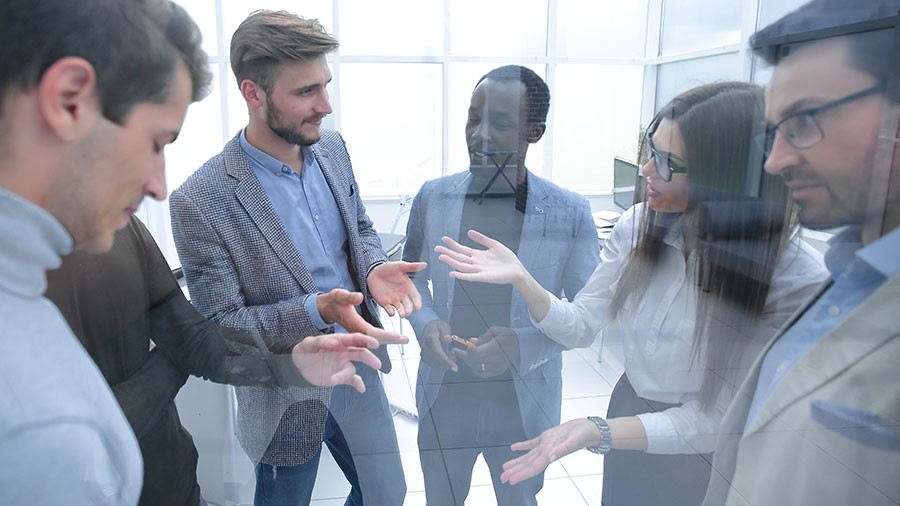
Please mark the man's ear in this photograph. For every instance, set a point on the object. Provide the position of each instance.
(253, 94)
(67, 97)
(535, 132)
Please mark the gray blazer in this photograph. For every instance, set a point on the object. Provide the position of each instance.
(558, 246)
(830, 431)
(243, 271)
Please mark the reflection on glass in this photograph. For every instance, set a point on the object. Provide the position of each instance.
(605, 29)
(423, 37)
(590, 128)
(391, 116)
(504, 28)
(204, 14)
(684, 30)
(674, 78)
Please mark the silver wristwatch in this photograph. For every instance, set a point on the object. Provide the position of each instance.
(605, 436)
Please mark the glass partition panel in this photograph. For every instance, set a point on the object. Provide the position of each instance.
(391, 120)
(685, 30)
(600, 29)
(498, 28)
(361, 18)
(673, 78)
(596, 117)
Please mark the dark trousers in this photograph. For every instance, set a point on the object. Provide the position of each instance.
(632, 478)
(461, 425)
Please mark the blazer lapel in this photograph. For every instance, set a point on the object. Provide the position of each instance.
(451, 210)
(863, 332)
(534, 225)
(339, 189)
(253, 198)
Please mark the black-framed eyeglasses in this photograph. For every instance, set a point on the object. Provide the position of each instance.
(802, 130)
(663, 163)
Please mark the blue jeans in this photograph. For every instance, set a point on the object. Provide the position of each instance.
(360, 435)
(460, 426)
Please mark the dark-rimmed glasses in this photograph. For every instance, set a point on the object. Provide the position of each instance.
(663, 163)
(802, 130)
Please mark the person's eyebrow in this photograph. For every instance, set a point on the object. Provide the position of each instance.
(802, 105)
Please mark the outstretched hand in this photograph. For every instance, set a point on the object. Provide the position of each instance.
(339, 306)
(327, 360)
(553, 444)
(392, 289)
(496, 264)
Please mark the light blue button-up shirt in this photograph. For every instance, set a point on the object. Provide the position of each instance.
(856, 273)
(310, 216)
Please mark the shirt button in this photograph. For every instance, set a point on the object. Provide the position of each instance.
(317, 217)
(834, 310)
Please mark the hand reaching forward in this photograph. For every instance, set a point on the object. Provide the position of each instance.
(392, 289)
(327, 360)
(497, 264)
(553, 444)
(339, 306)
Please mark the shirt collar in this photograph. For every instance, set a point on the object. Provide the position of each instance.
(263, 159)
(842, 249)
(882, 254)
(846, 246)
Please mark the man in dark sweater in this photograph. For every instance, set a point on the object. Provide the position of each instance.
(127, 309)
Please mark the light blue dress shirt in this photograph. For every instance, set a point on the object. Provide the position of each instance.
(310, 216)
(856, 273)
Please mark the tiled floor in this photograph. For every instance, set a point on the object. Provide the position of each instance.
(574, 480)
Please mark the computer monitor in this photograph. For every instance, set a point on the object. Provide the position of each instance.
(625, 177)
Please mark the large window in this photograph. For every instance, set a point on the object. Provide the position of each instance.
(404, 73)
(405, 70)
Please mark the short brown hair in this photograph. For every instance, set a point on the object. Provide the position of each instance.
(268, 39)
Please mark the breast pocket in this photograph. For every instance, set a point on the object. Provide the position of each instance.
(861, 426)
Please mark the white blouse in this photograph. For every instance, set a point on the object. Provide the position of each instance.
(657, 333)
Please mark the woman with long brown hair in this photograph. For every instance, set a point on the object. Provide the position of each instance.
(695, 279)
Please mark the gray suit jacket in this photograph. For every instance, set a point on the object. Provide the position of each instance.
(558, 246)
(244, 272)
(830, 431)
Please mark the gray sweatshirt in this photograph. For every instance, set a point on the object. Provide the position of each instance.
(63, 437)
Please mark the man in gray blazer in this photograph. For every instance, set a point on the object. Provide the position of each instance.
(504, 385)
(818, 419)
(274, 239)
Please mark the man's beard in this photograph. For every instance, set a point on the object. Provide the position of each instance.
(275, 124)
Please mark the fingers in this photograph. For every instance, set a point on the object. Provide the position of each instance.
(347, 376)
(415, 298)
(344, 297)
(356, 340)
(460, 264)
(354, 322)
(409, 267)
(364, 356)
(525, 445)
(433, 354)
(386, 336)
(456, 247)
(481, 239)
(522, 468)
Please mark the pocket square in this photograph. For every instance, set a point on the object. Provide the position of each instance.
(864, 427)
